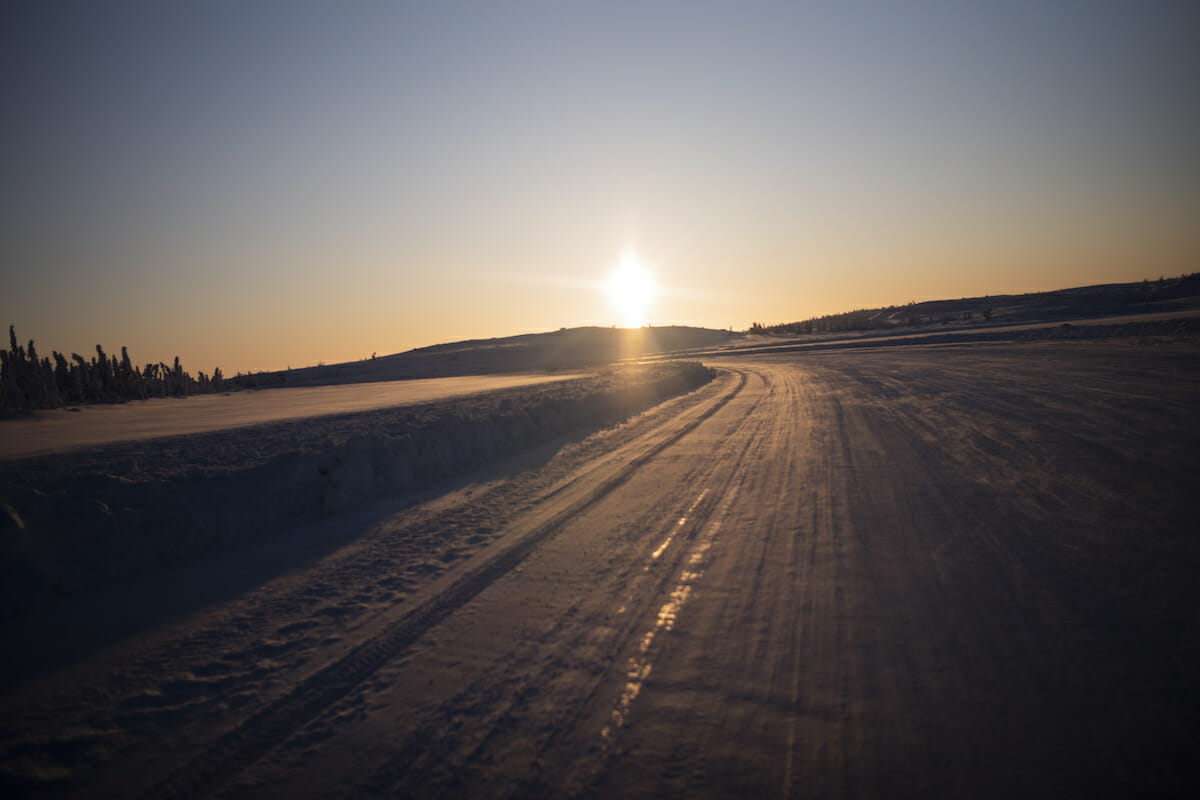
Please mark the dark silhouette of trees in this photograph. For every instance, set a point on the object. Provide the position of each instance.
(27, 382)
(1085, 300)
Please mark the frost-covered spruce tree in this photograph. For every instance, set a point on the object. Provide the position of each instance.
(35, 389)
(150, 380)
(7, 385)
(19, 396)
(82, 373)
(104, 374)
(62, 379)
(130, 387)
(50, 385)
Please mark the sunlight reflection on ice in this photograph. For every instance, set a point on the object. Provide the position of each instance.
(641, 665)
(682, 521)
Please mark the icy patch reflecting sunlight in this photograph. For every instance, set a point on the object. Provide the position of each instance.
(641, 664)
(682, 521)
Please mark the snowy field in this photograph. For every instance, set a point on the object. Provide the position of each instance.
(86, 426)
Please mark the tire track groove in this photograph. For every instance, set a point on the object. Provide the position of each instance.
(258, 735)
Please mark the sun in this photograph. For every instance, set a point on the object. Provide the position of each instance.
(631, 290)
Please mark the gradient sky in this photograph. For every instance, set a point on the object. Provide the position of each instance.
(259, 184)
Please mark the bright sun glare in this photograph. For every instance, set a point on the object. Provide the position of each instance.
(631, 290)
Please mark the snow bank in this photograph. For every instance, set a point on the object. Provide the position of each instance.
(69, 524)
(92, 425)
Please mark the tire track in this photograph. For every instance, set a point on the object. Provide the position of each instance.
(439, 758)
(593, 726)
(258, 735)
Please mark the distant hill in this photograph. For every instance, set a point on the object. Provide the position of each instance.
(1165, 294)
(562, 350)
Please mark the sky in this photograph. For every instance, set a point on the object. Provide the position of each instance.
(257, 184)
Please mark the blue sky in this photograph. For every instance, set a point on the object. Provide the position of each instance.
(257, 184)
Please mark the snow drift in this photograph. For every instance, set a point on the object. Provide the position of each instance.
(69, 524)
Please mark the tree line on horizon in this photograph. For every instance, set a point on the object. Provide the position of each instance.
(27, 382)
(910, 315)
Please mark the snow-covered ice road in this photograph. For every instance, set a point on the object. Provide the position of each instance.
(908, 572)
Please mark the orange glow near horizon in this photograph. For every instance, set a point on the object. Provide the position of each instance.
(254, 190)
